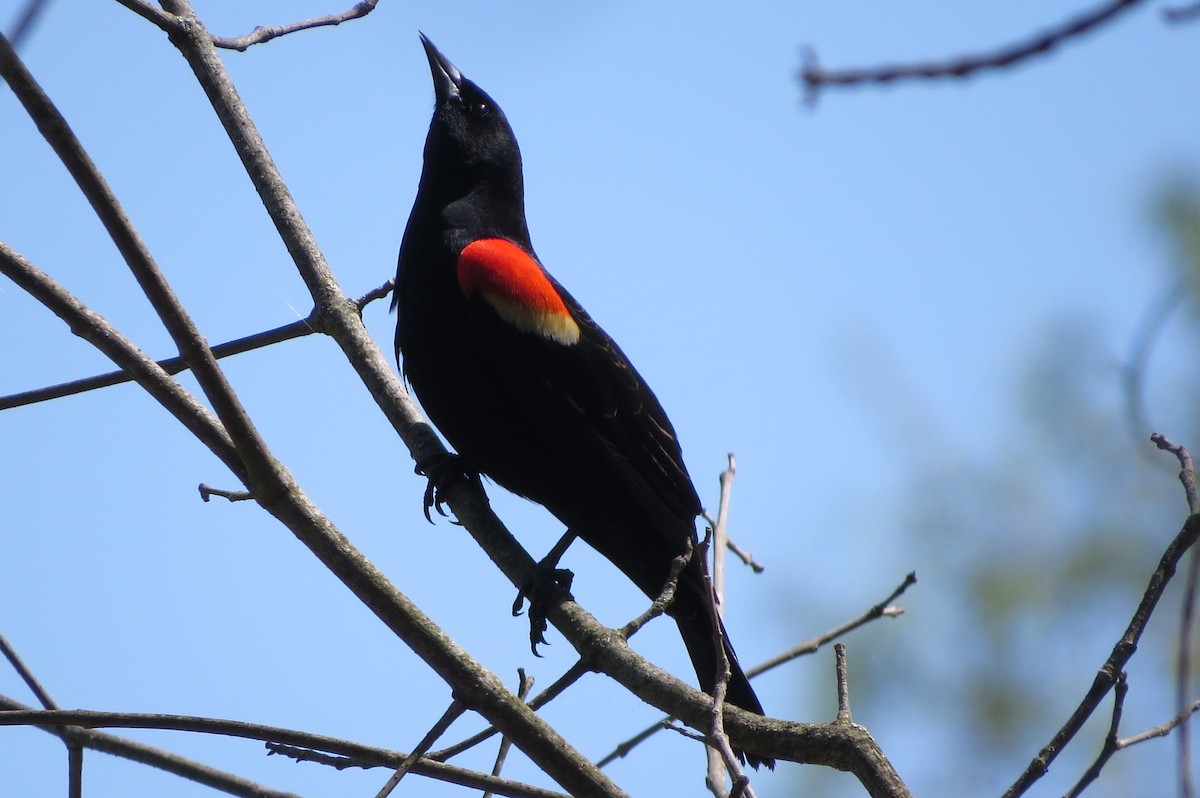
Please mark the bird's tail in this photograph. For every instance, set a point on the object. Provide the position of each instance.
(693, 616)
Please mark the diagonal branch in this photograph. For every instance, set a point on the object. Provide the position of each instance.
(192, 347)
(94, 329)
(880, 610)
(76, 722)
(815, 78)
(174, 365)
(1110, 672)
(261, 35)
(180, 766)
(170, 23)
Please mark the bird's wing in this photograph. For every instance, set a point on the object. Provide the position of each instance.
(570, 369)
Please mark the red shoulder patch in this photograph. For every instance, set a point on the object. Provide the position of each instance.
(516, 287)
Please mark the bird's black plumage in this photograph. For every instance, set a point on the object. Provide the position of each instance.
(523, 384)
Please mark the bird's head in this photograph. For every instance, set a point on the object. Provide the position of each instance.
(469, 133)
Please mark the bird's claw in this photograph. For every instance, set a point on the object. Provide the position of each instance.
(540, 591)
(441, 469)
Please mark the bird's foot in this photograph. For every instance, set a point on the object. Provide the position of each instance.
(548, 580)
(441, 469)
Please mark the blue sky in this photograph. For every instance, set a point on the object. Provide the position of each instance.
(827, 292)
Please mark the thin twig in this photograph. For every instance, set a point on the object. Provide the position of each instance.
(720, 533)
(171, 23)
(1133, 372)
(745, 556)
(251, 452)
(174, 365)
(74, 770)
(25, 22)
(572, 675)
(881, 610)
(207, 492)
(1183, 665)
(720, 754)
(93, 328)
(1187, 472)
(843, 684)
(525, 684)
(1163, 729)
(261, 35)
(74, 749)
(1112, 742)
(1182, 13)
(452, 713)
(721, 758)
(665, 598)
(149, 755)
(59, 722)
(151, 13)
(1183, 670)
(816, 78)
(1110, 671)
(450, 774)
(26, 674)
(720, 528)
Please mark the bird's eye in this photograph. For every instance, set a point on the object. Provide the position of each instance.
(480, 108)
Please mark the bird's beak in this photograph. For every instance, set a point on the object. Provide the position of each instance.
(447, 80)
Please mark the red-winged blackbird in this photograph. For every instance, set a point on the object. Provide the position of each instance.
(523, 384)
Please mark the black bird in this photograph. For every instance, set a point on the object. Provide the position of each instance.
(524, 385)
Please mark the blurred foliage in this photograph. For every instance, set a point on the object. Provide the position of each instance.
(1033, 557)
(1179, 211)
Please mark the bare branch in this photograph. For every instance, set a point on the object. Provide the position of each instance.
(1133, 371)
(252, 455)
(745, 556)
(207, 493)
(720, 532)
(452, 713)
(1112, 743)
(525, 685)
(665, 598)
(174, 365)
(1163, 729)
(1187, 473)
(97, 331)
(1182, 13)
(151, 13)
(1110, 671)
(149, 755)
(880, 610)
(26, 675)
(569, 677)
(815, 78)
(74, 749)
(1183, 670)
(171, 23)
(61, 721)
(262, 35)
(721, 758)
(843, 684)
(25, 22)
